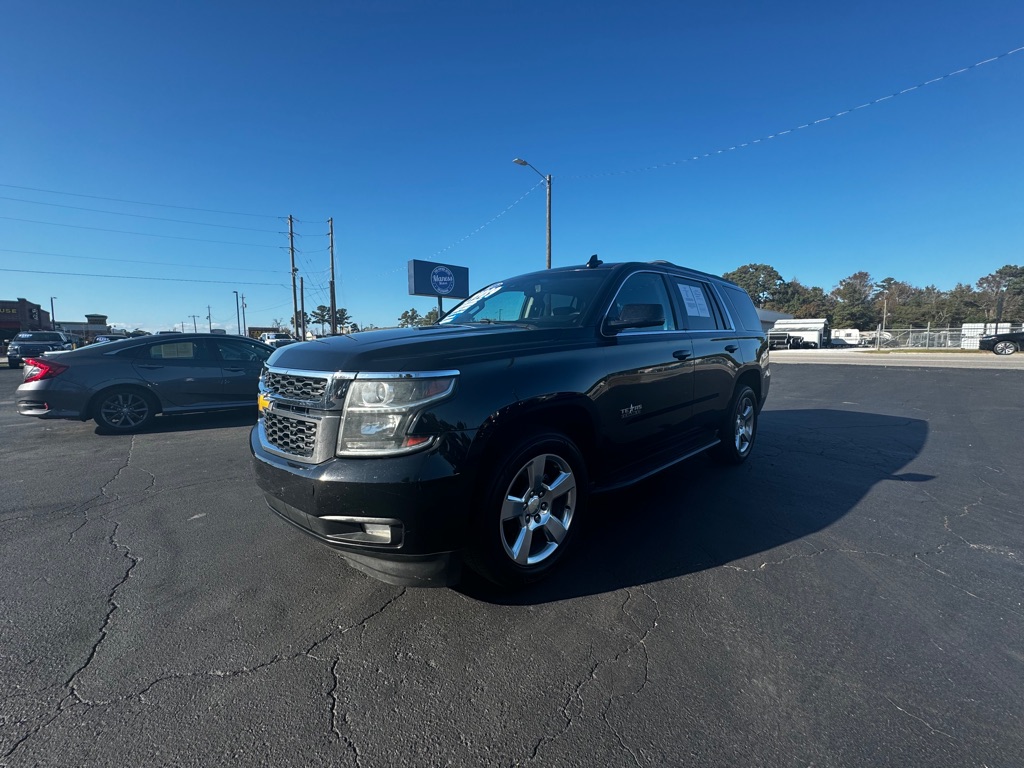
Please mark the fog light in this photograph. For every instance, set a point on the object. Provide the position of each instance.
(378, 534)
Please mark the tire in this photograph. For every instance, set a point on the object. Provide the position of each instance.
(1004, 348)
(738, 429)
(124, 410)
(13, 365)
(528, 513)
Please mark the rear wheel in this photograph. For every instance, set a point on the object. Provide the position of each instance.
(528, 513)
(1004, 348)
(738, 428)
(124, 410)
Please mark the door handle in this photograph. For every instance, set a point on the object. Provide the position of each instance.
(731, 347)
(681, 354)
(151, 367)
(234, 370)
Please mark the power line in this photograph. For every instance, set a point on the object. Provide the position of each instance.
(136, 261)
(141, 202)
(871, 103)
(138, 215)
(132, 277)
(489, 222)
(141, 234)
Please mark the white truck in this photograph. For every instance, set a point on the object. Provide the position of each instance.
(807, 333)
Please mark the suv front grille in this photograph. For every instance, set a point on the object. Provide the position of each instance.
(295, 387)
(288, 435)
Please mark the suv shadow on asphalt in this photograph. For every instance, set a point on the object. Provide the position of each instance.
(809, 469)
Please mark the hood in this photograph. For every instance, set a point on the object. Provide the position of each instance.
(426, 348)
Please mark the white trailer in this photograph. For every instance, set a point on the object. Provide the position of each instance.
(807, 333)
(843, 338)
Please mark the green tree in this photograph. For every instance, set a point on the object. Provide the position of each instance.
(798, 300)
(409, 318)
(322, 316)
(854, 306)
(1001, 292)
(430, 318)
(761, 281)
(343, 320)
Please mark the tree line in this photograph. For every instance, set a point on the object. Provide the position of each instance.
(859, 301)
(346, 324)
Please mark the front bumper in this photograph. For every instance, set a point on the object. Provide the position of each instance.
(421, 500)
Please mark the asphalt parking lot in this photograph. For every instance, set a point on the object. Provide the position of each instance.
(851, 596)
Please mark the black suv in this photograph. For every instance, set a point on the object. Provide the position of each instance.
(480, 438)
(34, 343)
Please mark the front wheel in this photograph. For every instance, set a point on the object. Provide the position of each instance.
(1004, 348)
(738, 428)
(124, 410)
(528, 514)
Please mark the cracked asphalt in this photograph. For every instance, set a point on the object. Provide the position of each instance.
(852, 596)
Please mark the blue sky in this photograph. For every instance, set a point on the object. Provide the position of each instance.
(401, 119)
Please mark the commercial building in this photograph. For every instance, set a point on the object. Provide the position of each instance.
(22, 315)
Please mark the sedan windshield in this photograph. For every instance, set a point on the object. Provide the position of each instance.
(555, 300)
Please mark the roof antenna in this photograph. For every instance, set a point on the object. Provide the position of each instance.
(594, 261)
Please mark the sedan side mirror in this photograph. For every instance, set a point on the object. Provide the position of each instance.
(636, 316)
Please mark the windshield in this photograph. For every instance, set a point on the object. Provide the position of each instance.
(38, 336)
(555, 300)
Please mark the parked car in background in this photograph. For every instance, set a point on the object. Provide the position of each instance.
(124, 384)
(1002, 343)
(32, 343)
(278, 343)
(104, 338)
(479, 439)
(277, 339)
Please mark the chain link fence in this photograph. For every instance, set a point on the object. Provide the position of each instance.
(961, 337)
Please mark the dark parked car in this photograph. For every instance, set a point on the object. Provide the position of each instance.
(124, 384)
(480, 438)
(1002, 343)
(32, 343)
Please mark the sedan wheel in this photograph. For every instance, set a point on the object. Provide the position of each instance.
(1004, 348)
(124, 410)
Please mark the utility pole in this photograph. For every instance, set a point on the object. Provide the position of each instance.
(334, 303)
(194, 326)
(291, 249)
(238, 319)
(302, 293)
(245, 326)
(209, 317)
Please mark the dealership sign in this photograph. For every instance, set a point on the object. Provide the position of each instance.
(447, 281)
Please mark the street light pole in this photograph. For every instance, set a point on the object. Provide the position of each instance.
(53, 317)
(547, 181)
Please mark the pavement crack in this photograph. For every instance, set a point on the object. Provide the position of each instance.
(112, 605)
(921, 720)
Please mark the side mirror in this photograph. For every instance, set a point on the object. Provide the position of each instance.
(636, 316)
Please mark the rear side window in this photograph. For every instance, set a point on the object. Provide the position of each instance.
(176, 350)
(698, 305)
(742, 308)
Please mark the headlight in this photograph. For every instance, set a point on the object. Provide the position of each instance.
(380, 409)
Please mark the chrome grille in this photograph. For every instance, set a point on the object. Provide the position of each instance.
(288, 435)
(295, 387)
